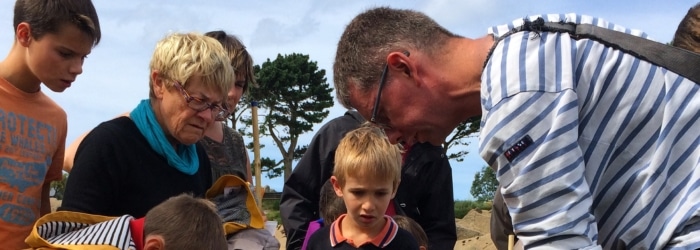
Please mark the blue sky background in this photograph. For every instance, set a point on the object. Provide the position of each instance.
(115, 75)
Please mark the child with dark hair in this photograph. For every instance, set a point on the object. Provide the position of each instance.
(331, 207)
(51, 41)
(180, 222)
(330, 204)
(688, 32)
(414, 228)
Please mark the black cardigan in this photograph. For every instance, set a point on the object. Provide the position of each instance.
(116, 172)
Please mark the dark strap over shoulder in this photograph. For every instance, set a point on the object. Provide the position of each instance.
(680, 61)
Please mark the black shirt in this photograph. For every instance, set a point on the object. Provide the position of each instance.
(116, 172)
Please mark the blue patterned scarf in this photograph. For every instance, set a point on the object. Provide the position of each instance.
(185, 160)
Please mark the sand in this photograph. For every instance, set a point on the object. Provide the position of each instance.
(473, 231)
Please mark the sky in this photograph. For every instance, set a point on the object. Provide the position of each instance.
(115, 74)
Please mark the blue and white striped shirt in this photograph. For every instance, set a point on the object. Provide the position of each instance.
(594, 147)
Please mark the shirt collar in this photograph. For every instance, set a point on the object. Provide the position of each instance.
(136, 226)
(383, 238)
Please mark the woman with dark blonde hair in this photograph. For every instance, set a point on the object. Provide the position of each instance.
(224, 145)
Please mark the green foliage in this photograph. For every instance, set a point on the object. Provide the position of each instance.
(458, 137)
(293, 95)
(484, 185)
(271, 204)
(59, 187)
(462, 207)
(272, 210)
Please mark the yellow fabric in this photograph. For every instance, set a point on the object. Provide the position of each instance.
(256, 218)
(35, 241)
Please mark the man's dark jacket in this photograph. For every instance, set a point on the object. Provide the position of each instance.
(425, 192)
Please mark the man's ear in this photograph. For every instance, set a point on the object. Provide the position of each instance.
(158, 84)
(23, 34)
(399, 61)
(154, 242)
(336, 186)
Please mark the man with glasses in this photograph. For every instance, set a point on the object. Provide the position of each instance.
(130, 164)
(593, 146)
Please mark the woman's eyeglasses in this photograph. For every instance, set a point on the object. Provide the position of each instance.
(219, 113)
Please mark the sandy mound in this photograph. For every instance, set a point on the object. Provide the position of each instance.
(479, 242)
(476, 220)
(466, 233)
(473, 231)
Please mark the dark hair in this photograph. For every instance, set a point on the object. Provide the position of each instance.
(186, 222)
(47, 16)
(241, 60)
(371, 36)
(688, 33)
(412, 227)
(330, 205)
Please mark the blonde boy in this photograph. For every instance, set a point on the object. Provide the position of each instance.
(366, 175)
(51, 41)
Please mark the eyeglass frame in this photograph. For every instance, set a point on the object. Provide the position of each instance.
(218, 116)
(382, 82)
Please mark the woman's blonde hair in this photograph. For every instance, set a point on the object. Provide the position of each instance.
(178, 57)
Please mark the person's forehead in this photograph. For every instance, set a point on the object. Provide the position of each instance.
(70, 37)
(368, 180)
(207, 92)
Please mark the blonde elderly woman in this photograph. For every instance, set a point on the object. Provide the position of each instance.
(225, 146)
(130, 164)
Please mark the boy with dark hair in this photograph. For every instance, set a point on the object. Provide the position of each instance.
(366, 176)
(180, 222)
(183, 222)
(688, 32)
(330, 208)
(52, 39)
(414, 228)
